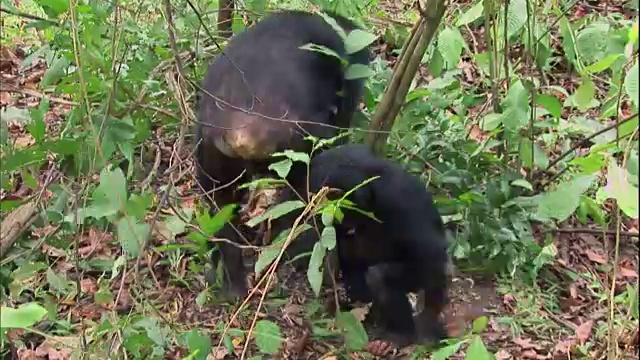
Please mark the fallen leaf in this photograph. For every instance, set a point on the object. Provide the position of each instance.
(524, 343)
(508, 298)
(236, 341)
(595, 257)
(630, 273)
(26, 354)
(573, 290)
(564, 346)
(52, 251)
(57, 347)
(584, 330)
(5, 98)
(88, 286)
(219, 355)
(503, 355)
(24, 141)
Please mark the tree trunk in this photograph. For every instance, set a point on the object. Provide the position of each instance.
(225, 18)
(403, 73)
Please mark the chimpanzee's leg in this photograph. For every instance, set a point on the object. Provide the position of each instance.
(389, 284)
(353, 271)
(435, 298)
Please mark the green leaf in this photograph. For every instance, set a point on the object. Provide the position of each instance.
(631, 85)
(268, 337)
(450, 44)
(57, 282)
(58, 6)
(619, 188)
(199, 344)
(270, 253)
(477, 350)
(354, 332)
(550, 103)
(447, 351)
(568, 44)
(539, 157)
(358, 71)
(55, 72)
(211, 225)
(111, 195)
(472, 14)
(294, 155)
(628, 127)
(491, 121)
(331, 21)
(590, 163)
(23, 317)
(594, 210)
(480, 324)
(358, 40)
(563, 201)
(603, 64)
(132, 235)
(321, 49)
(315, 270)
(516, 16)
(523, 184)
(516, 104)
(328, 237)
(585, 94)
(277, 211)
(38, 127)
(282, 167)
(592, 42)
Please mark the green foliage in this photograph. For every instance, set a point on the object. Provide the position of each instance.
(268, 337)
(118, 74)
(25, 316)
(355, 335)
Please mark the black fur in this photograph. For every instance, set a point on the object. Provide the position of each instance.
(406, 252)
(263, 71)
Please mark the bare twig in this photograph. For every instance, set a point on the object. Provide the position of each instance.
(588, 138)
(595, 231)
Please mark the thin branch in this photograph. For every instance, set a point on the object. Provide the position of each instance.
(588, 138)
(26, 15)
(596, 231)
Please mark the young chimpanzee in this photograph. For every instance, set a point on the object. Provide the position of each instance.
(262, 95)
(405, 251)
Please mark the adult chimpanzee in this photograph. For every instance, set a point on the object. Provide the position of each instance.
(405, 251)
(269, 94)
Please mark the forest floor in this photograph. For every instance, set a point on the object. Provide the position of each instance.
(557, 319)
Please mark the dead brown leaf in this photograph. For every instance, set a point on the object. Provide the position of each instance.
(595, 257)
(563, 346)
(503, 354)
(53, 251)
(629, 273)
(88, 286)
(584, 331)
(95, 241)
(57, 347)
(524, 343)
(5, 98)
(508, 298)
(573, 290)
(24, 141)
(26, 354)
